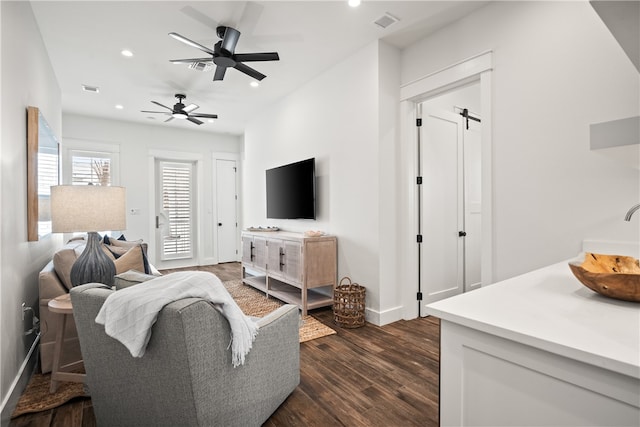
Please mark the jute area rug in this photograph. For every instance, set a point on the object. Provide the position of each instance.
(254, 303)
(36, 396)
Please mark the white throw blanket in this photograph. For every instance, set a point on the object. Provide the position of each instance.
(129, 314)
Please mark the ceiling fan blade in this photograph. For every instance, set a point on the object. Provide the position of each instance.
(159, 112)
(249, 71)
(191, 43)
(190, 60)
(219, 74)
(249, 17)
(203, 18)
(164, 106)
(231, 36)
(204, 116)
(189, 108)
(196, 121)
(169, 119)
(252, 57)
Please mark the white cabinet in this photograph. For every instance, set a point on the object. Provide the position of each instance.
(291, 267)
(538, 349)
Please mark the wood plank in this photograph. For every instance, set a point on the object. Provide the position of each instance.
(69, 414)
(88, 417)
(368, 376)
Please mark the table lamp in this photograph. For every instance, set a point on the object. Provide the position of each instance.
(89, 208)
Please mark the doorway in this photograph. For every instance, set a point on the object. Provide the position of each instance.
(226, 200)
(475, 69)
(450, 201)
(175, 210)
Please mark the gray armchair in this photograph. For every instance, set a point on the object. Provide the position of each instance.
(185, 377)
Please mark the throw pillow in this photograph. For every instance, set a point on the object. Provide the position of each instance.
(107, 240)
(133, 259)
(64, 258)
(130, 278)
(126, 243)
(115, 251)
(116, 247)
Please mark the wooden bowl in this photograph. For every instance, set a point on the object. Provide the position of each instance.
(610, 275)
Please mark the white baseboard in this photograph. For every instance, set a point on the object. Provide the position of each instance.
(19, 383)
(380, 318)
(208, 261)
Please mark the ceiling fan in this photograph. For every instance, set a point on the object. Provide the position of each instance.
(223, 54)
(179, 111)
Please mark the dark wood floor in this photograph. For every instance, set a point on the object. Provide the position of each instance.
(370, 376)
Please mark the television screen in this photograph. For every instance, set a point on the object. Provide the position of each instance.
(291, 191)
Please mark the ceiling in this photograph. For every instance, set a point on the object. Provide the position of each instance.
(84, 40)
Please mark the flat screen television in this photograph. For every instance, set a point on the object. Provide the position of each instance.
(291, 191)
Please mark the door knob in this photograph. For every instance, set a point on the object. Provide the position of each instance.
(462, 233)
(219, 224)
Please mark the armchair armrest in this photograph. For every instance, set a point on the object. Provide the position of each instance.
(275, 315)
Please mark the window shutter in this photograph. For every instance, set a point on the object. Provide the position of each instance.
(90, 168)
(177, 205)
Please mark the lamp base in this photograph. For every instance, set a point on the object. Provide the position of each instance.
(93, 265)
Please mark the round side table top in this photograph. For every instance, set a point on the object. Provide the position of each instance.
(61, 304)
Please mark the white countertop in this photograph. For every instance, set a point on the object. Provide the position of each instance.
(551, 310)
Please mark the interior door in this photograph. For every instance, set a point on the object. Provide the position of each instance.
(442, 205)
(226, 210)
(473, 206)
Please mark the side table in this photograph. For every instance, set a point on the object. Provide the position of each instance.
(62, 306)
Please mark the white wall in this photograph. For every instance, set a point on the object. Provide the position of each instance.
(334, 118)
(135, 142)
(27, 78)
(557, 69)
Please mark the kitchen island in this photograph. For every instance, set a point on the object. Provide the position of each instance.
(539, 349)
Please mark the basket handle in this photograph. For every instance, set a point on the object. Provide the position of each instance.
(343, 279)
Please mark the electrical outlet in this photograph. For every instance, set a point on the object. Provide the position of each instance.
(35, 322)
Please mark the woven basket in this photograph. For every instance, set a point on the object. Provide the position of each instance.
(348, 304)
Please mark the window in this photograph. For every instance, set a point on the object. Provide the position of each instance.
(90, 168)
(176, 195)
(85, 162)
(90, 163)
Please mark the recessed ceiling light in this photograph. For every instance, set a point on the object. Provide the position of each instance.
(354, 3)
(87, 88)
(119, 107)
(127, 53)
(254, 84)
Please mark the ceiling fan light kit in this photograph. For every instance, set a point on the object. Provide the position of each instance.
(179, 111)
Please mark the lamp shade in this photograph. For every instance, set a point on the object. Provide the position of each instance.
(87, 208)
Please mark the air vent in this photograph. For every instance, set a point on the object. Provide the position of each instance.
(87, 88)
(201, 66)
(385, 20)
